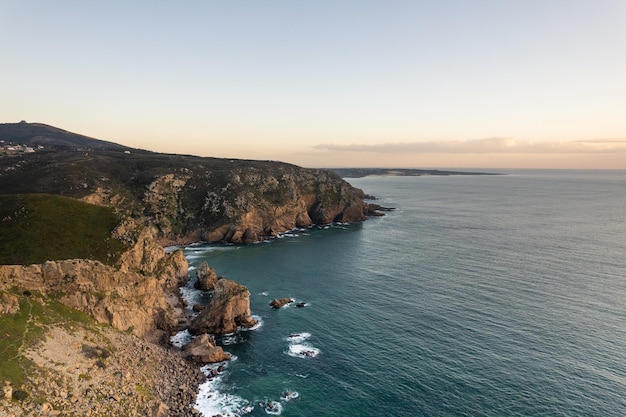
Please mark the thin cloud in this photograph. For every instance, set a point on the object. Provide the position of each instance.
(486, 145)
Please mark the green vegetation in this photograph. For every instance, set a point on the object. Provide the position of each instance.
(26, 328)
(40, 227)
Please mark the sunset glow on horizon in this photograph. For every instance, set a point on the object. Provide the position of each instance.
(359, 83)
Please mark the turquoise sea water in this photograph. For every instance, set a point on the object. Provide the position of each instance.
(479, 296)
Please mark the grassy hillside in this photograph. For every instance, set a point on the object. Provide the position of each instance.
(40, 227)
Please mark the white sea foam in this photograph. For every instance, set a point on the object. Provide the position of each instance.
(298, 337)
(210, 401)
(258, 325)
(181, 338)
(273, 407)
(191, 297)
(289, 395)
(264, 293)
(290, 304)
(231, 339)
(199, 251)
(302, 350)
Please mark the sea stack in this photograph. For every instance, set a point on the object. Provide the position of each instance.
(228, 309)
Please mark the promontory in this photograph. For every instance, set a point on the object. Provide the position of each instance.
(89, 296)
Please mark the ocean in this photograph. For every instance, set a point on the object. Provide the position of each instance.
(478, 296)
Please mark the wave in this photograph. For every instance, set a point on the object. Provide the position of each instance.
(192, 296)
(298, 349)
(181, 338)
(210, 401)
(199, 251)
(272, 407)
(230, 339)
(298, 337)
(258, 325)
(303, 351)
(289, 395)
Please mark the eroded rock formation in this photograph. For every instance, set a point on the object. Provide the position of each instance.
(135, 296)
(206, 277)
(228, 309)
(203, 349)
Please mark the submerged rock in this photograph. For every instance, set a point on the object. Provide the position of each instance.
(228, 309)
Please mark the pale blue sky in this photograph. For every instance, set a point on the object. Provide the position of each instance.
(328, 83)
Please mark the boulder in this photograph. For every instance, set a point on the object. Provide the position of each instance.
(160, 410)
(228, 309)
(206, 277)
(202, 349)
(280, 302)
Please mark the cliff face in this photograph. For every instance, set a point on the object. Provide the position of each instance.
(135, 296)
(190, 198)
(253, 204)
(247, 204)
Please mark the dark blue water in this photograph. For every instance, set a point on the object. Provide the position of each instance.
(479, 296)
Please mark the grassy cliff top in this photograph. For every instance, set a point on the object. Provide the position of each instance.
(40, 227)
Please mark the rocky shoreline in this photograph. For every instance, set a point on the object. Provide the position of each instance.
(118, 359)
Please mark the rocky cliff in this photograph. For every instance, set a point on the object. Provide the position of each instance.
(190, 198)
(228, 310)
(240, 204)
(135, 296)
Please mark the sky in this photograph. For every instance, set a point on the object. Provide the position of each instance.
(354, 83)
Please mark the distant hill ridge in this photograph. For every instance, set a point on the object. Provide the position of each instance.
(34, 134)
(405, 172)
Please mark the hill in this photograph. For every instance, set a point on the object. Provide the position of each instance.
(34, 134)
(187, 198)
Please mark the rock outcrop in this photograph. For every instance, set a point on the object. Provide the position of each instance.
(257, 203)
(9, 304)
(206, 277)
(203, 349)
(135, 296)
(228, 310)
(280, 302)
